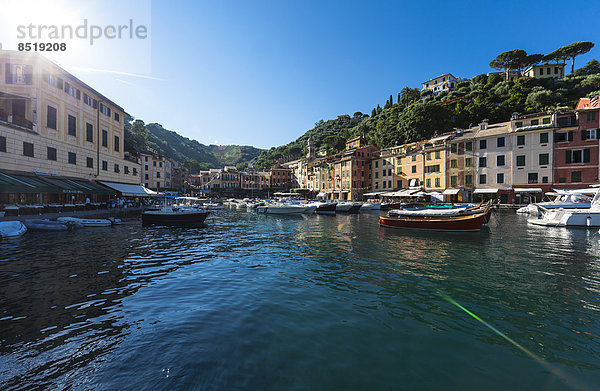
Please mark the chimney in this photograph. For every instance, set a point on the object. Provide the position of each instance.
(483, 124)
(515, 115)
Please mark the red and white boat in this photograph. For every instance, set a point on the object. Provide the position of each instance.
(468, 222)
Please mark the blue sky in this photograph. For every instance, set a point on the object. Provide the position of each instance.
(263, 72)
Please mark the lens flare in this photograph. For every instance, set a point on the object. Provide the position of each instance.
(554, 370)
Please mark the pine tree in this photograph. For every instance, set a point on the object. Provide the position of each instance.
(373, 112)
(399, 95)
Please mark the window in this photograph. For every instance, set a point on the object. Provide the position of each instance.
(158, 174)
(519, 124)
(437, 182)
(18, 74)
(157, 184)
(376, 174)
(453, 163)
(87, 100)
(399, 184)
(69, 89)
(117, 118)
(72, 158)
(469, 146)
(104, 138)
(468, 179)
(543, 138)
(414, 169)
(500, 142)
(51, 118)
(454, 180)
(160, 164)
(135, 171)
(532, 177)
(500, 160)
(414, 158)
(469, 162)
(520, 160)
(117, 168)
(521, 139)
(89, 132)
(544, 159)
(591, 116)
(560, 137)
(535, 122)
(104, 109)
(117, 145)
(27, 149)
(428, 156)
(154, 164)
(126, 169)
(499, 178)
(541, 71)
(146, 177)
(453, 148)
(427, 182)
(383, 173)
(59, 83)
(544, 179)
(72, 125)
(51, 153)
(438, 154)
(482, 179)
(399, 170)
(2, 144)
(105, 165)
(577, 156)
(482, 144)
(146, 159)
(546, 120)
(89, 162)
(575, 176)
(483, 162)
(589, 134)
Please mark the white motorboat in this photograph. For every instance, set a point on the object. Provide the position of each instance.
(569, 217)
(370, 205)
(348, 207)
(280, 208)
(45, 225)
(12, 229)
(564, 199)
(214, 206)
(86, 222)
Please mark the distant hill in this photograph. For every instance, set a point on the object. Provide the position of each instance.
(191, 153)
(418, 115)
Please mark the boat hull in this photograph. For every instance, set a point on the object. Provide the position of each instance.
(12, 229)
(568, 218)
(45, 225)
(161, 218)
(469, 223)
(282, 210)
(326, 208)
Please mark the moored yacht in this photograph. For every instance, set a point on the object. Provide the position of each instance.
(569, 217)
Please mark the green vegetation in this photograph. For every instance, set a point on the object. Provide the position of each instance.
(421, 115)
(195, 156)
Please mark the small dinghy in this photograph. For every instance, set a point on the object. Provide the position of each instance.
(45, 225)
(86, 222)
(12, 229)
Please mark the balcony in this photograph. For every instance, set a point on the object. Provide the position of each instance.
(15, 120)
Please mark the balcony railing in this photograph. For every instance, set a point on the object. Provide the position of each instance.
(15, 120)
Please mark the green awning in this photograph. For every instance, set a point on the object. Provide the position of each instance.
(30, 183)
(77, 186)
(12, 183)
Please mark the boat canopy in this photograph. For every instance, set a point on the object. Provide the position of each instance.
(129, 190)
(485, 191)
(589, 190)
(528, 190)
(451, 191)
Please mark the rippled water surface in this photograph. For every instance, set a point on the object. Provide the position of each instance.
(259, 302)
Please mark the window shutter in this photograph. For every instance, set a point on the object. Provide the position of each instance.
(597, 134)
(8, 78)
(584, 135)
(568, 156)
(586, 155)
(570, 136)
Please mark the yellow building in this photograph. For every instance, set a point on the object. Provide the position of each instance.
(546, 71)
(434, 176)
(53, 124)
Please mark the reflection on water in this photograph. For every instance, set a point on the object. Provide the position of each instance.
(311, 302)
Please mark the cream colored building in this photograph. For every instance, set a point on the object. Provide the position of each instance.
(546, 71)
(156, 171)
(493, 161)
(52, 123)
(442, 83)
(533, 144)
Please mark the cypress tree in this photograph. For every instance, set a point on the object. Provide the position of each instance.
(373, 112)
(391, 100)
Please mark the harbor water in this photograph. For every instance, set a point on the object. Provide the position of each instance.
(265, 302)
